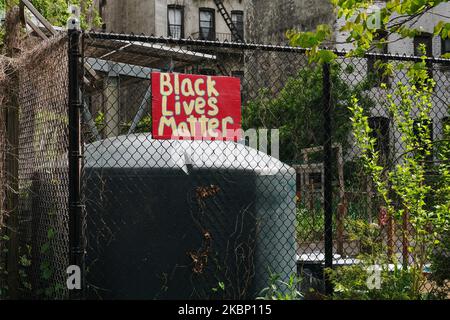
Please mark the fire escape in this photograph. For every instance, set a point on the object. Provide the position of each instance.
(236, 36)
(226, 16)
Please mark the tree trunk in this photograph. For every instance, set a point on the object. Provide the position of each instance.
(12, 49)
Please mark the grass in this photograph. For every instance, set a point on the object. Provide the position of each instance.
(310, 223)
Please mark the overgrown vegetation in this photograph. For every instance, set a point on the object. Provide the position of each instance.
(302, 95)
(440, 266)
(310, 224)
(376, 276)
(57, 13)
(362, 23)
(416, 189)
(282, 290)
(406, 192)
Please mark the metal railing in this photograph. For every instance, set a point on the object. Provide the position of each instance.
(219, 36)
(236, 219)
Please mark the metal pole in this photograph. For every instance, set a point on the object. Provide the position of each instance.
(249, 46)
(76, 240)
(142, 108)
(328, 193)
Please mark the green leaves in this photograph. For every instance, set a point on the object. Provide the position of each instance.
(51, 233)
(220, 287)
(279, 289)
(24, 261)
(363, 19)
(56, 11)
(46, 270)
(309, 39)
(312, 40)
(324, 56)
(406, 188)
(45, 247)
(396, 282)
(413, 6)
(443, 29)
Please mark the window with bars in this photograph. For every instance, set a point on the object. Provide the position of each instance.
(175, 19)
(380, 132)
(238, 20)
(207, 24)
(2, 16)
(425, 39)
(445, 45)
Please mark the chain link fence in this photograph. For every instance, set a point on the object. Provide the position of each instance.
(280, 90)
(42, 215)
(356, 196)
(200, 219)
(43, 176)
(3, 95)
(176, 219)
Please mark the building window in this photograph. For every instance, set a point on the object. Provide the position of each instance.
(238, 20)
(425, 39)
(380, 132)
(376, 68)
(2, 17)
(175, 20)
(445, 45)
(207, 24)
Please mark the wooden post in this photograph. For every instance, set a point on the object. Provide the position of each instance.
(342, 212)
(369, 199)
(405, 241)
(390, 237)
(12, 45)
(311, 194)
(112, 103)
(307, 181)
(2, 177)
(22, 13)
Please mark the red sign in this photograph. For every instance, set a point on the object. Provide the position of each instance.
(187, 106)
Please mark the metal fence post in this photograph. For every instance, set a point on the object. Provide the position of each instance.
(328, 192)
(76, 237)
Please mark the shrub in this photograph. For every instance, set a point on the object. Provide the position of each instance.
(405, 188)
